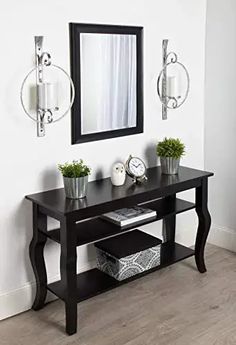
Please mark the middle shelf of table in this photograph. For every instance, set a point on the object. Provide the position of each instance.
(95, 229)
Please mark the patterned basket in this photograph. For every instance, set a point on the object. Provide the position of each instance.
(122, 261)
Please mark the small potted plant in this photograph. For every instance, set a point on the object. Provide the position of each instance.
(75, 176)
(170, 151)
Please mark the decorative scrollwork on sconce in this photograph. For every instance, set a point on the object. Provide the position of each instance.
(166, 88)
(172, 56)
(45, 59)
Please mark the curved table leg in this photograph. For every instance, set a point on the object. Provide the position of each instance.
(37, 258)
(204, 223)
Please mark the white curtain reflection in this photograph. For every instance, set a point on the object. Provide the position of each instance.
(108, 82)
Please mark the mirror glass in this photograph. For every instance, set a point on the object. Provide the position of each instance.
(108, 82)
(107, 74)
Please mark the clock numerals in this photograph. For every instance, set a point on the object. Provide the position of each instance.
(136, 169)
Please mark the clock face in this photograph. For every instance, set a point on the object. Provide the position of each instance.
(137, 167)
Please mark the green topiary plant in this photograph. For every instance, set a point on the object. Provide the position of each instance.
(170, 147)
(74, 169)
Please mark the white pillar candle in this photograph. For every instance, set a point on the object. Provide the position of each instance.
(32, 97)
(47, 96)
(172, 87)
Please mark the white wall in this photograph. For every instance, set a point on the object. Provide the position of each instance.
(220, 118)
(29, 164)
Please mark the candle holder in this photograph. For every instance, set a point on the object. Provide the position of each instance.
(166, 85)
(47, 108)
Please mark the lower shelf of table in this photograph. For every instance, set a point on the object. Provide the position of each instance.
(94, 282)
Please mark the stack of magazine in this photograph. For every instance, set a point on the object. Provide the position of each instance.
(131, 215)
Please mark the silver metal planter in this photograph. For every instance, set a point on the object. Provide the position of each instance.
(75, 187)
(169, 165)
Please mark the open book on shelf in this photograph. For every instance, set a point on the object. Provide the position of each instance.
(127, 216)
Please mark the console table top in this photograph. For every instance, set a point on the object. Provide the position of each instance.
(102, 193)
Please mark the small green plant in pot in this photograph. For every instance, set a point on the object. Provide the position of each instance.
(170, 151)
(75, 176)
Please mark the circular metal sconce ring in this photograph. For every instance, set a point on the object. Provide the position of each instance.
(71, 100)
(175, 101)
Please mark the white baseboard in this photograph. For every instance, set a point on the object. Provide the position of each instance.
(19, 300)
(223, 237)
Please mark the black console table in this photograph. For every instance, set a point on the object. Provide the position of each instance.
(158, 193)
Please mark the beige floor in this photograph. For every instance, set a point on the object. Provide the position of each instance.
(176, 305)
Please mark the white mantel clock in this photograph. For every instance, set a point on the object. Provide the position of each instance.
(136, 169)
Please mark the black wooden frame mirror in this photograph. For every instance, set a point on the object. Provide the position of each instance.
(79, 32)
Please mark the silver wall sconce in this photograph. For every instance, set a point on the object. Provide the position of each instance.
(45, 108)
(171, 88)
